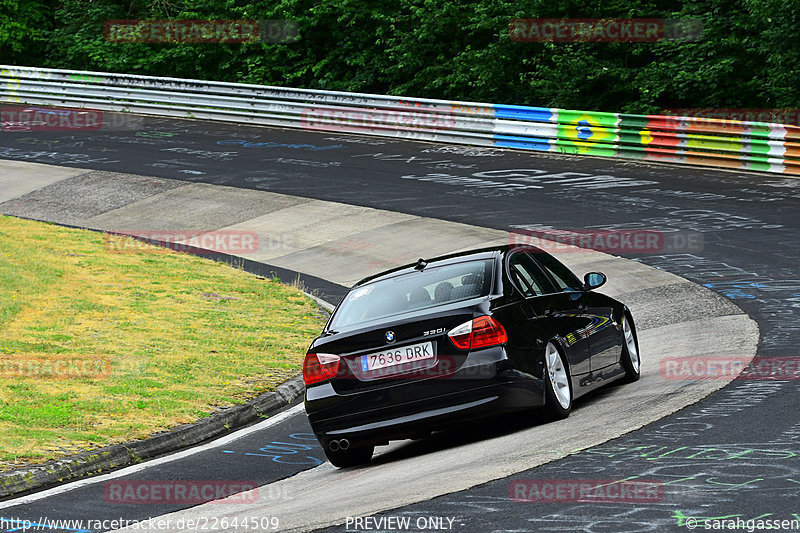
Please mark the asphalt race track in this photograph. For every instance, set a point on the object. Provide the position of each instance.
(735, 454)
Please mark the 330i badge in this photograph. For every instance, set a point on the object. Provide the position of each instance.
(430, 345)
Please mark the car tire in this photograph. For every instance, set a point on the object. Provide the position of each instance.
(558, 386)
(353, 456)
(630, 350)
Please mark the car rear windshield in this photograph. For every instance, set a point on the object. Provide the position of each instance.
(431, 287)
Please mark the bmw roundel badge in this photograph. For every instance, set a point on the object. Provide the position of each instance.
(390, 336)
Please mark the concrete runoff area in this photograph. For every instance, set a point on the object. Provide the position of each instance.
(358, 254)
(675, 318)
(313, 223)
(20, 178)
(192, 206)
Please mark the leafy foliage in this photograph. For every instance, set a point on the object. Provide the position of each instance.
(748, 55)
(24, 28)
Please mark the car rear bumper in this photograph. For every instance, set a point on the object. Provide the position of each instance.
(382, 415)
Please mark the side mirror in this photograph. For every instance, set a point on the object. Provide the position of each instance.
(593, 280)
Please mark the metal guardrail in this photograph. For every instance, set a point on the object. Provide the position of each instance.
(756, 146)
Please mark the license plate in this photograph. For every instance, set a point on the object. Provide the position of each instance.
(396, 356)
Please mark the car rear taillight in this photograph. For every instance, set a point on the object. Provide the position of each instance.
(320, 367)
(478, 333)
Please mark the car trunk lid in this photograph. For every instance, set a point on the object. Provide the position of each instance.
(411, 348)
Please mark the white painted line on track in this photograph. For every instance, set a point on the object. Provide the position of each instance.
(155, 462)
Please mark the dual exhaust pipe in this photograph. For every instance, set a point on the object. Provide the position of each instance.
(340, 444)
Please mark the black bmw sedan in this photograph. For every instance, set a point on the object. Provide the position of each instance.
(427, 346)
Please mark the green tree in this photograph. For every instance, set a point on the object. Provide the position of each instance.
(25, 26)
(458, 50)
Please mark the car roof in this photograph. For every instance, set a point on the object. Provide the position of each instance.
(476, 254)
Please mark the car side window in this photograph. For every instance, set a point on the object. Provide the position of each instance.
(563, 276)
(527, 276)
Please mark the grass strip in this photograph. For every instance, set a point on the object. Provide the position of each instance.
(101, 343)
